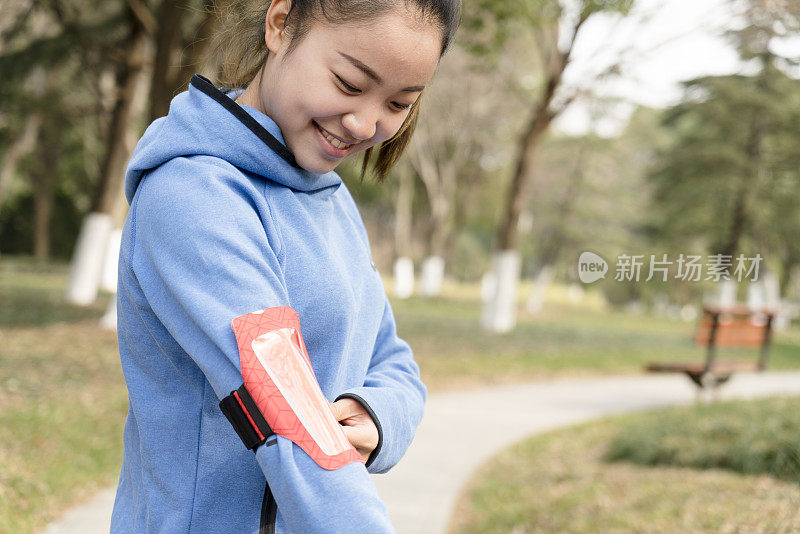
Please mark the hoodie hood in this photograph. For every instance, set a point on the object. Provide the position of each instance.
(204, 120)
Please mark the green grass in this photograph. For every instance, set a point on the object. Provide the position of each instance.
(564, 340)
(62, 397)
(748, 437)
(32, 294)
(563, 481)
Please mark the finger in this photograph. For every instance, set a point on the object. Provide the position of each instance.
(335, 409)
(345, 408)
(355, 435)
(360, 436)
(340, 410)
(358, 442)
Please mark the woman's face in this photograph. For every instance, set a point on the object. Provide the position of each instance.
(344, 88)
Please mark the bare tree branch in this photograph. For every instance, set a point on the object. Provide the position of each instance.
(145, 16)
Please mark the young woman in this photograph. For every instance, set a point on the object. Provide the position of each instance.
(236, 213)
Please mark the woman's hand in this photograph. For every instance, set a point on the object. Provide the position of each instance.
(358, 426)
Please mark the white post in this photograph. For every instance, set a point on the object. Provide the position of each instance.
(500, 314)
(88, 259)
(543, 281)
(772, 290)
(725, 295)
(755, 294)
(772, 299)
(403, 277)
(575, 293)
(432, 276)
(109, 319)
(488, 284)
(109, 279)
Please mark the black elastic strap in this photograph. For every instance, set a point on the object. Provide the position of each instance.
(248, 428)
(204, 84)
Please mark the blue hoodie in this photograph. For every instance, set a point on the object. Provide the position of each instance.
(222, 222)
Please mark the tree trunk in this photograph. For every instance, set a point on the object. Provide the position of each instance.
(432, 272)
(170, 14)
(507, 234)
(42, 206)
(45, 179)
(500, 313)
(402, 211)
(554, 239)
(441, 219)
(787, 270)
(112, 176)
(403, 265)
(17, 149)
(740, 216)
(43, 174)
(92, 244)
(500, 297)
(543, 280)
(438, 176)
(41, 85)
(543, 115)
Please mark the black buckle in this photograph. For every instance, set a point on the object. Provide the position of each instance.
(245, 417)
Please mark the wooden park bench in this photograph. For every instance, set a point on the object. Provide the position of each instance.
(731, 326)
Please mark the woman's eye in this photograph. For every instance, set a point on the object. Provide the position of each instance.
(355, 90)
(347, 86)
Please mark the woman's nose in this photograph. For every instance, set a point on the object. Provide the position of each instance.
(361, 125)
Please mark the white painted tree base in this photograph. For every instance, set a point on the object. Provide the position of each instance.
(432, 276)
(575, 293)
(108, 281)
(403, 277)
(488, 281)
(109, 319)
(500, 308)
(543, 281)
(88, 259)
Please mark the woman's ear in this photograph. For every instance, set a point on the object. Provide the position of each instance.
(274, 34)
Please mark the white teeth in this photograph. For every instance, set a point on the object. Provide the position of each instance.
(335, 142)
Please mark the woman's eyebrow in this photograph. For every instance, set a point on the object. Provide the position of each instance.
(372, 74)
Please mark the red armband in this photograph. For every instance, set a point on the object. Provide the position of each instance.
(280, 393)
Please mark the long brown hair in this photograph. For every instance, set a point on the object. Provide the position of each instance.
(242, 51)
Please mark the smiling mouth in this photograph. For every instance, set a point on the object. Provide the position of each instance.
(334, 141)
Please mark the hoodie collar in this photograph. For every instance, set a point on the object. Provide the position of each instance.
(262, 131)
(205, 120)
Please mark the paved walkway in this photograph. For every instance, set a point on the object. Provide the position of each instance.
(461, 430)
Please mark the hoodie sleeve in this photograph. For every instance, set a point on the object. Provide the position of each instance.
(205, 251)
(393, 392)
